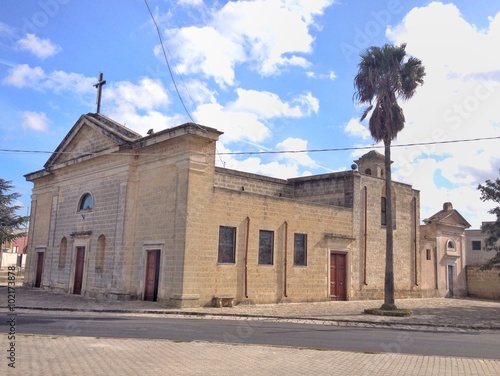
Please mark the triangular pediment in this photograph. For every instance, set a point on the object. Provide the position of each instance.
(448, 216)
(454, 219)
(92, 135)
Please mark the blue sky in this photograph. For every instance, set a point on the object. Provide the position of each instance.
(271, 74)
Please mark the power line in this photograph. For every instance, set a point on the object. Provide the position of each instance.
(358, 147)
(277, 151)
(168, 64)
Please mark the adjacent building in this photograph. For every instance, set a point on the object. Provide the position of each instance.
(444, 255)
(474, 247)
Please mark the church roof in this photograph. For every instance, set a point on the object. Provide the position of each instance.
(448, 215)
(116, 132)
(371, 155)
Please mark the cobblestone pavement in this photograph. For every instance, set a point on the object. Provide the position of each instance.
(60, 355)
(55, 355)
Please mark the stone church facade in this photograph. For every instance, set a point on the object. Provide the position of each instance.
(122, 216)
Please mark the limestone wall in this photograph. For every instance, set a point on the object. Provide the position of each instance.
(483, 283)
(372, 239)
(264, 283)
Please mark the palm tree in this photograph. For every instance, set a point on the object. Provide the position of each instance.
(385, 75)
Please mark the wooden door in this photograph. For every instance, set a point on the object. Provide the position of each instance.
(451, 274)
(80, 260)
(39, 269)
(338, 286)
(152, 275)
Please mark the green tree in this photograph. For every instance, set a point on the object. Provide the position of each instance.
(386, 74)
(9, 220)
(490, 191)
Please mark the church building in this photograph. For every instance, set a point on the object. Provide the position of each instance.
(120, 216)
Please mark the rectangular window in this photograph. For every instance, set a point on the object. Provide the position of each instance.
(300, 249)
(227, 244)
(266, 247)
(428, 254)
(383, 212)
(476, 245)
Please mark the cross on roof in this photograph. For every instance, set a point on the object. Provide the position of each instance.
(99, 91)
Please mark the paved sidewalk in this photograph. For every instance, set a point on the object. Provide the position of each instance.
(59, 355)
(437, 313)
(56, 355)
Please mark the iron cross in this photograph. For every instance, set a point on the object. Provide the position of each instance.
(99, 91)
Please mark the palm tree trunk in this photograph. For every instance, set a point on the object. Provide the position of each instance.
(389, 248)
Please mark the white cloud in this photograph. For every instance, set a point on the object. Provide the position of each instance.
(36, 121)
(356, 129)
(255, 165)
(295, 144)
(268, 105)
(190, 2)
(24, 76)
(308, 102)
(330, 75)
(206, 51)
(459, 48)
(236, 125)
(198, 91)
(147, 94)
(458, 101)
(5, 29)
(42, 48)
(140, 106)
(268, 34)
(60, 81)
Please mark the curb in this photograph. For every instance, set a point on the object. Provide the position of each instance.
(314, 320)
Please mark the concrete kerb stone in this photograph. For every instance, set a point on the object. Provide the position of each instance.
(303, 320)
(430, 314)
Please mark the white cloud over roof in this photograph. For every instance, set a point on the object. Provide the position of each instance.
(267, 34)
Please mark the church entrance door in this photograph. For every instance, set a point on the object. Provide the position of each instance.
(338, 288)
(152, 275)
(80, 260)
(39, 269)
(451, 274)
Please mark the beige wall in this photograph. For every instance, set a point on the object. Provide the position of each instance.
(483, 283)
(406, 238)
(265, 283)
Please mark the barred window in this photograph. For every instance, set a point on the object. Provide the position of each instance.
(476, 245)
(300, 249)
(227, 244)
(266, 247)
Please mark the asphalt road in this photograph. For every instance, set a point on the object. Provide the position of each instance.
(373, 340)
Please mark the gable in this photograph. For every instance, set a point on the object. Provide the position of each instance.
(453, 219)
(448, 216)
(86, 141)
(92, 134)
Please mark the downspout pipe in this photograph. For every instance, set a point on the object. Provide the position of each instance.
(285, 260)
(365, 236)
(246, 257)
(415, 238)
